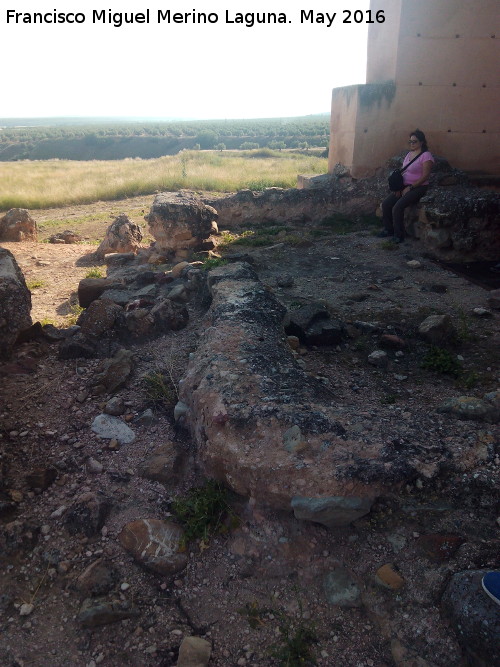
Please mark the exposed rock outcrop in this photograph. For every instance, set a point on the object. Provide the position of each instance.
(458, 224)
(244, 393)
(181, 224)
(15, 302)
(18, 225)
(122, 236)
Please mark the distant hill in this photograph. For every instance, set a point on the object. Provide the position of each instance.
(115, 139)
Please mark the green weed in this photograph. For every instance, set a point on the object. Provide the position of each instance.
(95, 272)
(160, 389)
(389, 245)
(255, 614)
(296, 641)
(292, 239)
(203, 510)
(464, 332)
(75, 312)
(469, 380)
(441, 361)
(35, 283)
(226, 238)
(388, 399)
(213, 263)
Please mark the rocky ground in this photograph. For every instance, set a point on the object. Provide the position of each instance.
(370, 594)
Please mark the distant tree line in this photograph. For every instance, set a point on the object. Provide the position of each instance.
(38, 141)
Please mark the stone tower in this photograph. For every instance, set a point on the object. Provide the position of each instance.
(432, 65)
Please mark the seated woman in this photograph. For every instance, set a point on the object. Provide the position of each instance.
(416, 181)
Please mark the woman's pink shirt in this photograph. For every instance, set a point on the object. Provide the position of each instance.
(415, 170)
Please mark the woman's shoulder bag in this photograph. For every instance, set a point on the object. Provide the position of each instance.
(395, 180)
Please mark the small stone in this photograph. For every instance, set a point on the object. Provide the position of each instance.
(341, 589)
(26, 609)
(112, 428)
(387, 577)
(95, 612)
(156, 544)
(293, 440)
(147, 418)
(482, 312)
(94, 466)
(180, 410)
(378, 358)
(438, 547)
(437, 329)
(414, 264)
(115, 407)
(58, 512)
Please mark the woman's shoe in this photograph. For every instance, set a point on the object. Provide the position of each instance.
(491, 585)
(384, 234)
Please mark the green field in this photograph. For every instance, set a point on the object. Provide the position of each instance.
(52, 183)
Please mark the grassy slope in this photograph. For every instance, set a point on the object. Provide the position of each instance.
(44, 184)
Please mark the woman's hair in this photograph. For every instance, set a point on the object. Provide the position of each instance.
(421, 137)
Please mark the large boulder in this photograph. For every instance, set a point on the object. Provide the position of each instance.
(180, 223)
(17, 225)
(122, 236)
(15, 302)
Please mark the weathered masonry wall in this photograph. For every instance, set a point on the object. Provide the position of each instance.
(431, 65)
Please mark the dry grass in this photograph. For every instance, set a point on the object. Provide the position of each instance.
(52, 183)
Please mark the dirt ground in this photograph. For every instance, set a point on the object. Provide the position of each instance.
(256, 590)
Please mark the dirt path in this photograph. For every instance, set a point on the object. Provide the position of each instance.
(53, 271)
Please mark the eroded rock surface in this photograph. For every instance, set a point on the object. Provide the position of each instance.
(18, 225)
(245, 392)
(181, 223)
(122, 236)
(15, 302)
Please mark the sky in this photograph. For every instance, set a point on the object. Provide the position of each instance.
(222, 69)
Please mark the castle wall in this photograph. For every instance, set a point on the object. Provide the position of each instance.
(432, 65)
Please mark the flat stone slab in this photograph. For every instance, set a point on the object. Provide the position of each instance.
(331, 511)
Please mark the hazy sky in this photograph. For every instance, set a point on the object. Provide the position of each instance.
(159, 69)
